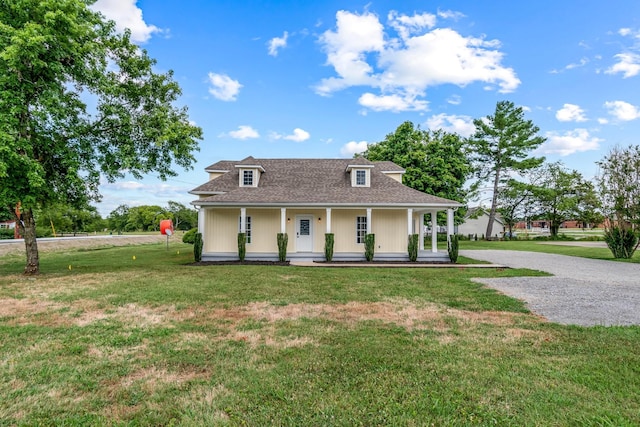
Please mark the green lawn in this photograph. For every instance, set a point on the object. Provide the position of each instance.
(547, 247)
(153, 341)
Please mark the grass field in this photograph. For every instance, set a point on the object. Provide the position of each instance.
(105, 339)
(565, 248)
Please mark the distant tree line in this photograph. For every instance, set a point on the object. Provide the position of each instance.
(65, 219)
(148, 217)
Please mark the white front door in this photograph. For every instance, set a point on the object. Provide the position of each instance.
(304, 233)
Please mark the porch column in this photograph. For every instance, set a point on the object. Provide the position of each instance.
(409, 221)
(328, 220)
(368, 220)
(283, 220)
(243, 220)
(201, 220)
(449, 224)
(421, 232)
(434, 231)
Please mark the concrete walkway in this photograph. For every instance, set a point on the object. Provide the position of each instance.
(390, 265)
(582, 291)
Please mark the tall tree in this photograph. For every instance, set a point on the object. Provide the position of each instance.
(118, 218)
(557, 195)
(501, 144)
(512, 202)
(184, 218)
(58, 58)
(435, 161)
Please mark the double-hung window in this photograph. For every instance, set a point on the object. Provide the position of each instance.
(247, 178)
(361, 178)
(361, 228)
(247, 227)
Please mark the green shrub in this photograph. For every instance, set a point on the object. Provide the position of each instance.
(622, 242)
(197, 247)
(283, 240)
(190, 236)
(6, 233)
(242, 245)
(369, 246)
(328, 246)
(453, 248)
(413, 247)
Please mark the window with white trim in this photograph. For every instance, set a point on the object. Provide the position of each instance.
(361, 177)
(247, 178)
(247, 227)
(361, 228)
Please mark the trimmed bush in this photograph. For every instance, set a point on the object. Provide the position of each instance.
(622, 242)
(190, 236)
(242, 245)
(197, 247)
(283, 240)
(369, 246)
(328, 246)
(453, 248)
(413, 247)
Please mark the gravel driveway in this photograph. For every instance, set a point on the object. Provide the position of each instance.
(583, 291)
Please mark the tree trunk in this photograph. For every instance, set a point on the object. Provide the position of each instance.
(28, 231)
(494, 206)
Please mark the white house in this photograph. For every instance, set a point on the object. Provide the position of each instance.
(307, 198)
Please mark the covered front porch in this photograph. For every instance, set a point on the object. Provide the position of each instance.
(306, 227)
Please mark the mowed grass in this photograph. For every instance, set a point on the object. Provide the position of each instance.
(564, 248)
(154, 341)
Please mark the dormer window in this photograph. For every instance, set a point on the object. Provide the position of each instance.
(360, 175)
(249, 175)
(247, 178)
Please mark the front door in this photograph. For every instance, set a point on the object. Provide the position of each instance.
(304, 233)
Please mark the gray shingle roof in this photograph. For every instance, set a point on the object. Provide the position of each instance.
(311, 182)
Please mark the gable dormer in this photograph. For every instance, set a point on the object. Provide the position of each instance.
(360, 175)
(249, 175)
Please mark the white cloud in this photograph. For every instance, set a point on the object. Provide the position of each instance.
(353, 147)
(364, 53)
(462, 125)
(628, 64)
(622, 110)
(570, 142)
(224, 87)
(298, 135)
(454, 100)
(126, 14)
(277, 43)
(395, 103)
(407, 25)
(603, 120)
(125, 185)
(571, 113)
(450, 14)
(243, 132)
(624, 31)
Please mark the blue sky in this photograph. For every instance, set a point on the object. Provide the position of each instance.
(283, 79)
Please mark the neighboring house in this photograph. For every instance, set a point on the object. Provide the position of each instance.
(476, 221)
(307, 198)
(8, 224)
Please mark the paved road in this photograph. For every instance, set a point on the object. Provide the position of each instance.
(582, 291)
